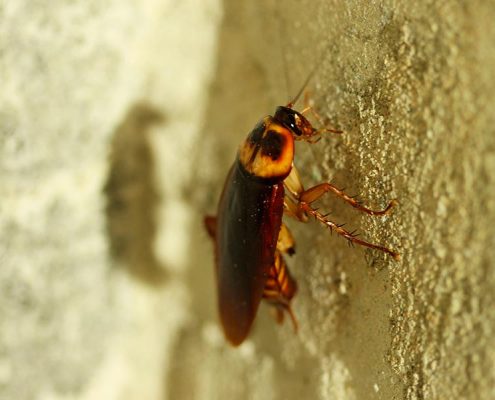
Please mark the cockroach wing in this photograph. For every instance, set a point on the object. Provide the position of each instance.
(248, 223)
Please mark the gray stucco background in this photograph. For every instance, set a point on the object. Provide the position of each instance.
(118, 122)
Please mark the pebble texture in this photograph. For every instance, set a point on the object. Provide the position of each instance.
(118, 122)
(412, 86)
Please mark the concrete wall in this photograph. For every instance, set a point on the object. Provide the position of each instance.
(96, 98)
(118, 121)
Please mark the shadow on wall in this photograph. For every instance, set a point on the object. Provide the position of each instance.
(131, 196)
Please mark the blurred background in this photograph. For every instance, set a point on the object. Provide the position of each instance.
(118, 123)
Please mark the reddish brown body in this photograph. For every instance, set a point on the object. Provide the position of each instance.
(249, 219)
(248, 232)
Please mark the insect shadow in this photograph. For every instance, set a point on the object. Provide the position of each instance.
(131, 197)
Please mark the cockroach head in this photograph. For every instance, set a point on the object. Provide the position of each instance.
(294, 121)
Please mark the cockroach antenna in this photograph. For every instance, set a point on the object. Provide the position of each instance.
(283, 56)
(308, 78)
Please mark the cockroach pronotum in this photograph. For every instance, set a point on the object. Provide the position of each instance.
(248, 231)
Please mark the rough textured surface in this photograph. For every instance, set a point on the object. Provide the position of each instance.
(111, 151)
(412, 86)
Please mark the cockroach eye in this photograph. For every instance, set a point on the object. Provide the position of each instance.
(287, 117)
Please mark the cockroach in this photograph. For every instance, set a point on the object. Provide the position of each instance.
(248, 233)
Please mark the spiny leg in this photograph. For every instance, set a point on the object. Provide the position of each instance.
(299, 207)
(292, 209)
(350, 236)
(295, 187)
(312, 194)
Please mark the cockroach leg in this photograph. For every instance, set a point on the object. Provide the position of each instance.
(293, 182)
(285, 306)
(328, 130)
(350, 236)
(292, 209)
(309, 108)
(286, 243)
(211, 225)
(312, 194)
(279, 309)
(299, 207)
(288, 308)
(280, 305)
(278, 314)
(318, 117)
(295, 187)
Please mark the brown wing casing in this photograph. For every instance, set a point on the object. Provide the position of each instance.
(248, 222)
